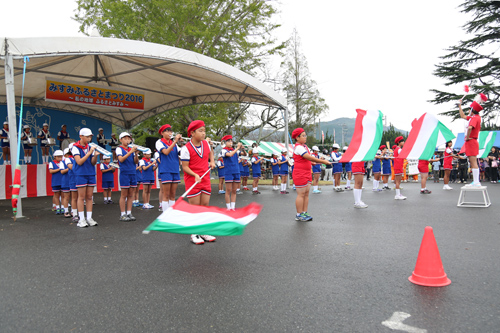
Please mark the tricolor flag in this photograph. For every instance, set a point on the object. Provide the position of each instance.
(486, 140)
(426, 134)
(366, 138)
(183, 218)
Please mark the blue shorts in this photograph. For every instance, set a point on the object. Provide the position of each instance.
(72, 185)
(245, 173)
(232, 177)
(82, 181)
(283, 173)
(26, 147)
(128, 180)
(256, 175)
(348, 167)
(170, 177)
(386, 170)
(148, 181)
(65, 189)
(108, 184)
(337, 168)
(56, 188)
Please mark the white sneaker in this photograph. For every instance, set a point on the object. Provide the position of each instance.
(196, 239)
(400, 197)
(91, 222)
(82, 224)
(474, 184)
(208, 238)
(447, 187)
(360, 205)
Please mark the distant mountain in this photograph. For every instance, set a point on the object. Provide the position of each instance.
(338, 124)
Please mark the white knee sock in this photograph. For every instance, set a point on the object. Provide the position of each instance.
(398, 192)
(315, 188)
(164, 205)
(475, 175)
(233, 205)
(357, 195)
(348, 183)
(89, 215)
(171, 203)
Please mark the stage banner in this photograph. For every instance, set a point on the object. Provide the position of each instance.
(69, 92)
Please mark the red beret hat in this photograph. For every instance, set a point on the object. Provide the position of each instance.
(398, 139)
(475, 105)
(194, 126)
(382, 147)
(394, 147)
(163, 128)
(296, 132)
(227, 138)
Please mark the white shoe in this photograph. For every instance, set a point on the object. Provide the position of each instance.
(360, 204)
(91, 222)
(82, 224)
(474, 184)
(208, 238)
(400, 197)
(196, 239)
(447, 187)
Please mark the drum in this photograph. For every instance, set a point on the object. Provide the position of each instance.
(51, 141)
(65, 143)
(31, 142)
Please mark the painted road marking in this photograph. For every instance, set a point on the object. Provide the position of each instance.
(396, 323)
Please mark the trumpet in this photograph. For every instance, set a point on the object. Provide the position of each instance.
(101, 150)
(139, 148)
(114, 165)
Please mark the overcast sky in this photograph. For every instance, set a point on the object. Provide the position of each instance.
(363, 54)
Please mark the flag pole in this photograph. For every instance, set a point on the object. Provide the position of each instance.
(189, 190)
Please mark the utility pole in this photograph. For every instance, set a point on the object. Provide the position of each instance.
(344, 132)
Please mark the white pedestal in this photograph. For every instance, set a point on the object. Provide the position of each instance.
(483, 191)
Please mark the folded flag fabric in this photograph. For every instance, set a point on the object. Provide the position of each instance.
(366, 139)
(486, 140)
(426, 134)
(183, 218)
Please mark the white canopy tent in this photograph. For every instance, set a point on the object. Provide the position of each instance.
(168, 77)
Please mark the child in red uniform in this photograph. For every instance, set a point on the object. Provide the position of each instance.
(302, 173)
(471, 144)
(195, 157)
(358, 170)
(398, 167)
(447, 165)
(423, 168)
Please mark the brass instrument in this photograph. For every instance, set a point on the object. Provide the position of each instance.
(101, 150)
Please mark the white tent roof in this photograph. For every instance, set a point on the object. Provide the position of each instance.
(169, 77)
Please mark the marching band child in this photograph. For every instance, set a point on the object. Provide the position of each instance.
(358, 169)
(231, 170)
(127, 158)
(65, 192)
(348, 170)
(337, 167)
(245, 174)
(156, 157)
(4, 137)
(113, 144)
(27, 148)
(256, 172)
(423, 168)
(169, 164)
(275, 168)
(56, 169)
(302, 173)
(84, 169)
(398, 167)
(471, 143)
(197, 157)
(386, 167)
(43, 135)
(138, 176)
(70, 163)
(447, 165)
(108, 180)
(283, 163)
(376, 169)
(62, 135)
(316, 170)
(220, 170)
(148, 177)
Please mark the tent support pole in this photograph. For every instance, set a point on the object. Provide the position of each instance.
(11, 115)
(286, 141)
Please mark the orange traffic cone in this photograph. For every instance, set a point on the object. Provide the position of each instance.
(429, 269)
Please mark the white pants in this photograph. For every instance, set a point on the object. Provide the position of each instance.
(328, 174)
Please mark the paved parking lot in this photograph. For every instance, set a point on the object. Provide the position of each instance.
(347, 271)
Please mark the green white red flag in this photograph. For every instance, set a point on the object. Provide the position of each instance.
(183, 218)
(486, 140)
(426, 134)
(367, 136)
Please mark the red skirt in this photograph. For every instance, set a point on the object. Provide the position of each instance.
(301, 177)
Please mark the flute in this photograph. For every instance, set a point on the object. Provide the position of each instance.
(101, 150)
(139, 148)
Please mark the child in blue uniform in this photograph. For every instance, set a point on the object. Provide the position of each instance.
(56, 169)
(169, 164)
(43, 135)
(231, 170)
(4, 139)
(283, 163)
(245, 174)
(148, 168)
(108, 180)
(27, 148)
(84, 170)
(337, 167)
(377, 170)
(316, 170)
(138, 176)
(127, 157)
(386, 167)
(73, 190)
(220, 171)
(275, 168)
(256, 172)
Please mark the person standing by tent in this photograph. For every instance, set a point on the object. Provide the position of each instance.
(471, 144)
(398, 167)
(493, 162)
(283, 163)
(231, 170)
(302, 173)
(4, 137)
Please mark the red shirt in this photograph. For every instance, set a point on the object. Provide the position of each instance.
(398, 162)
(475, 122)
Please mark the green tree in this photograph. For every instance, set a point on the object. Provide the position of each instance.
(306, 103)
(474, 61)
(390, 134)
(237, 32)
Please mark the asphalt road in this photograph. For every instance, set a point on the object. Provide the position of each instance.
(346, 271)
